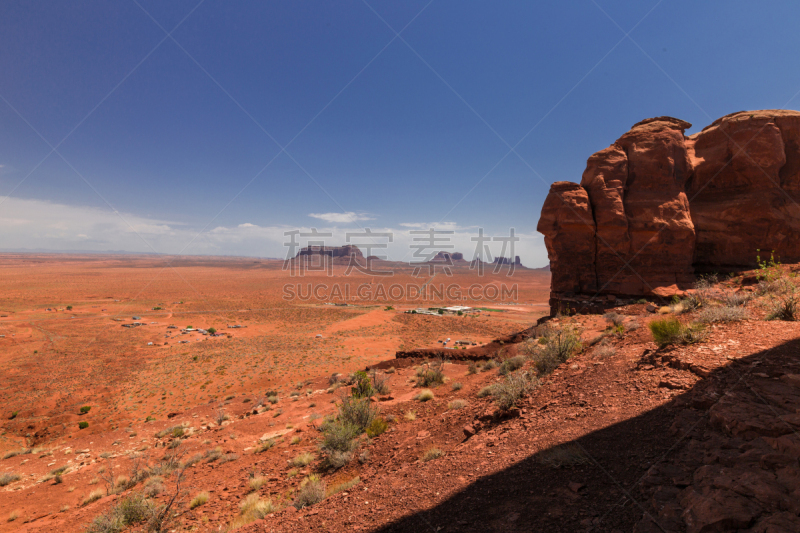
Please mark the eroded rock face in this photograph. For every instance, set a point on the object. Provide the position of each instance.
(745, 188)
(656, 205)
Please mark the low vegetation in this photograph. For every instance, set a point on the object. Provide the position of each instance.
(513, 388)
(312, 491)
(252, 508)
(431, 454)
(431, 374)
(424, 395)
(670, 330)
(6, 478)
(553, 348)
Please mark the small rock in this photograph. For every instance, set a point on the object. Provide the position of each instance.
(576, 487)
(468, 431)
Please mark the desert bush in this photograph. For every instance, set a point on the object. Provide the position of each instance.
(13, 453)
(431, 374)
(668, 331)
(272, 399)
(83, 425)
(338, 443)
(778, 286)
(364, 457)
(92, 497)
(563, 456)
(709, 315)
(633, 325)
(376, 427)
(362, 387)
(784, 308)
(213, 455)
(312, 491)
(485, 391)
(252, 508)
(201, 498)
(264, 446)
(511, 364)
(472, 368)
(175, 431)
(604, 350)
(457, 404)
(6, 478)
(555, 348)
(359, 412)
(513, 388)
(489, 365)
(85, 409)
(424, 395)
(228, 457)
(304, 459)
(457, 386)
(256, 482)
(614, 318)
(431, 453)
(410, 416)
(736, 299)
(380, 383)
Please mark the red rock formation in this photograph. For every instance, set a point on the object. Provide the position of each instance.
(746, 188)
(656, 205)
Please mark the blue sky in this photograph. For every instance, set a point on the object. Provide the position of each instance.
(176, 145)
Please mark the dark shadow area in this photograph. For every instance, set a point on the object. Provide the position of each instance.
(694, 429)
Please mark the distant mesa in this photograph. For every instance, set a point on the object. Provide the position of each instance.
(448, 257)
(331, 251)
(506, 261)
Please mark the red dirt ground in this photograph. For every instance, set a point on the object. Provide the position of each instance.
(613, 440)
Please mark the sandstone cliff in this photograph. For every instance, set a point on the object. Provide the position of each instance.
(657, 206)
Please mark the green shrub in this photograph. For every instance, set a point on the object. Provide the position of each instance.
(338, 443)
(431, 374)
(85, 409)
(513, 388)
(359, 412)
(554, 348)
(13, 415)
(670, 330)
(362, 387)
(509, 365)
(784, 308)
(488, 365)
(377, 427)
(83, 425)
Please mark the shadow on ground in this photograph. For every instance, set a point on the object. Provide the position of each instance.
(735, 418)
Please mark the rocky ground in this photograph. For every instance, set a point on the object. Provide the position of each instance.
(625, 436)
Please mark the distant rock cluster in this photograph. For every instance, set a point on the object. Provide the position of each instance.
(657, 206)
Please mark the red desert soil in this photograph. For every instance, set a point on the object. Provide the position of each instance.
(624, 436)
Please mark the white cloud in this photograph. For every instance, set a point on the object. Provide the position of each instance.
(36, 224)
(341, 218)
